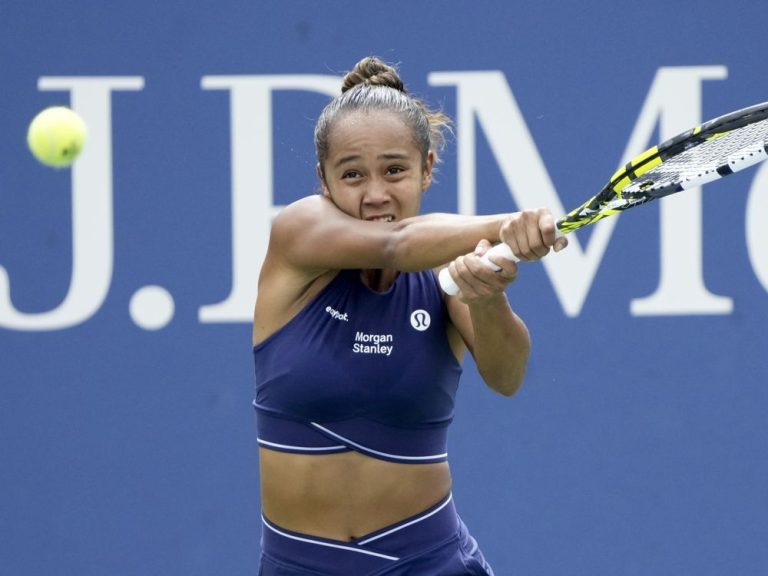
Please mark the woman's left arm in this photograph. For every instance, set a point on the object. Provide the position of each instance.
(497, 338)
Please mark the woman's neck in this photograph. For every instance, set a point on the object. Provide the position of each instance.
(378, 280)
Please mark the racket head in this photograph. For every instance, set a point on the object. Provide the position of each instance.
(710, 151)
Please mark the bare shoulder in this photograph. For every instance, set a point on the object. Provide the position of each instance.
(301, 213)
(284, 288)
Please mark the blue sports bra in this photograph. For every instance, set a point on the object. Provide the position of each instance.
(361, 370)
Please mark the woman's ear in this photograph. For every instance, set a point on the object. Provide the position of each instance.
(321, 177)
(426, 178)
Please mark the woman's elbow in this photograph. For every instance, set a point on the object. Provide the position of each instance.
(507, 386)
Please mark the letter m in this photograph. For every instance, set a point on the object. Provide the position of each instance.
(673, 104)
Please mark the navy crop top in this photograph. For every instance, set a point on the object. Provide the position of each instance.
(361, 370)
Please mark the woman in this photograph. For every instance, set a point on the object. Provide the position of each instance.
(358, 352)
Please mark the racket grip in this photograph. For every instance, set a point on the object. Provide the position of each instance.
(451, 288)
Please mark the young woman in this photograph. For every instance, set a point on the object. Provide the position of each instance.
(358, 352)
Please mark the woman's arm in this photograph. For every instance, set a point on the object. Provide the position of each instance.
(313, 234)
(497, 338)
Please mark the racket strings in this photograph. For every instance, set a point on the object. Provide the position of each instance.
(718, 156)
(713, 150)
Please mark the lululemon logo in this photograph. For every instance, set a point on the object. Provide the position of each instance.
(420, 320)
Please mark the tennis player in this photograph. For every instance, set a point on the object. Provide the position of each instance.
(358, 353)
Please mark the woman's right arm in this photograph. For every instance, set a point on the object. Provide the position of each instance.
(314, 235)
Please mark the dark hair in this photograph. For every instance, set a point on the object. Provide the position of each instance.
(375, 85)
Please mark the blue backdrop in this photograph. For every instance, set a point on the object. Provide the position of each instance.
(638, 442)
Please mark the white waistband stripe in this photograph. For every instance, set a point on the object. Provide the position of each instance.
(411, 523)
(327, 544)
(303, 448)
(366, 449)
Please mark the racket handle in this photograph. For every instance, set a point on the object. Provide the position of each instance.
(451, 288)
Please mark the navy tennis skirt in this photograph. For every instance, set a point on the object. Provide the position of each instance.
(434, 542)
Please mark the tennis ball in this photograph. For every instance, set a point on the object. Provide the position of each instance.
(56, 136)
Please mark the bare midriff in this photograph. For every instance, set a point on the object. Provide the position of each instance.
(347, 495)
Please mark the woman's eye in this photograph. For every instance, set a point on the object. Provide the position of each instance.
(351, 174)
(395, 170)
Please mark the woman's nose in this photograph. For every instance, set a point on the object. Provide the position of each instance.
(376, 192)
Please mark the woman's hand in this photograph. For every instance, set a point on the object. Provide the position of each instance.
(531, 234)
(476, 280)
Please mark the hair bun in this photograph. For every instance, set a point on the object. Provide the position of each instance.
(372, 71)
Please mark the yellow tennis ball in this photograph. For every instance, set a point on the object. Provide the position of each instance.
(56, 136)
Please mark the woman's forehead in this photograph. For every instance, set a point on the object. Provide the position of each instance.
(370, 128)
(365, 118)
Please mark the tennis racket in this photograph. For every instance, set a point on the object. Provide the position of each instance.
(713, 150)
